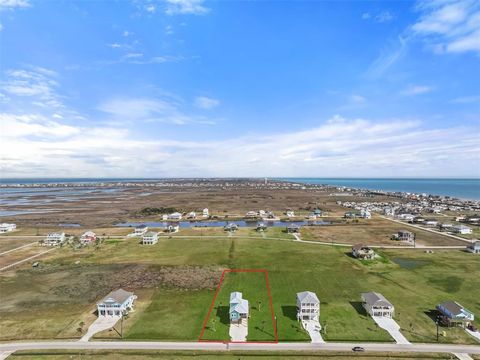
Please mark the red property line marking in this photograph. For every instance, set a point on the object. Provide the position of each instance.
(222, 278)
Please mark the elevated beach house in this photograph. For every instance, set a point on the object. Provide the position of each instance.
(239, 308)
(175, 216)
(261, 227)
(363, 252)
(230, 227)
(461, 229)
(454, 314)
(404, 235)
(54, 239)
(293, 228)
(150, 238)
(6, 227)
(140, 230)
(205, 213)
(116, 303)
(375, 304)
(308, 306)
(88, 237)
(474, 247)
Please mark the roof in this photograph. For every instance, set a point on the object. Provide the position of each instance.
(150, 233)
(376, 299)
(118, 296)
(235, 296)
(405, 232)
(475, 245)
(361, 247)
(89, 233)
(307, 297)
(143, 226)
(454, 308)
(241, 307)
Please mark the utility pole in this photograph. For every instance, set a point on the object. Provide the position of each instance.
(436, 322)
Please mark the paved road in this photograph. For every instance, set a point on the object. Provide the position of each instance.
(27, 259)
(140, 345)
(427, 229)
(392, 327)
(102, 323)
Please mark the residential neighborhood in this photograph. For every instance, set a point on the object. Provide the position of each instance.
(6, 227)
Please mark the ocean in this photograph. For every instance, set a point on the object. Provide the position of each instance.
(467, 189)
(459, 188)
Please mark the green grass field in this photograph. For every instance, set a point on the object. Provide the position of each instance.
(50, 301)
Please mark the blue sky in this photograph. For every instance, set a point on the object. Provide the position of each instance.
(240, 88)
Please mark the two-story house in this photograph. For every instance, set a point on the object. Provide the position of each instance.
(116, 303)
(308, 306)
(239, 308)
(375, 304)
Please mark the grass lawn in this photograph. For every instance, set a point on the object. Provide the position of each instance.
(207, 355)
(48, 302)
(253, 286)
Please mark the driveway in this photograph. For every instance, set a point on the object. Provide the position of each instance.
(475, 334)
(102, 323)
(462, 356)
(239, 332)
(392, 327)
(313, 329)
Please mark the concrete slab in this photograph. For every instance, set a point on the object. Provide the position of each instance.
(392, 327)
(102, 323)
(5, 354)
(462, 356)
(239, 332)
(475, 334)
(313, 328)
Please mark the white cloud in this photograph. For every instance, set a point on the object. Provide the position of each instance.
(388, 57)
(357, 99)
(204, 102)
(417, 90)
(165, 110)
(467, 100)
(384, 16)
(12, 4)
(341, 147)
(151, 8)
(193, 7)
(449, 26)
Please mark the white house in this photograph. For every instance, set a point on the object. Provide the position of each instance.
(308, 306)
(175, 216)
(431, 222)
(140, 230)
(88, 237)
(54, 239)
(205, 213)
(116, 303)
(290, 213)
(150, 238)
(404, 235)
(474, 247)
(376, 305)
(461, 229)
(5, 227)
(251, 214)
(192, 215)
(164, 217)
(365, 214)
(171, 228)
(239, 308)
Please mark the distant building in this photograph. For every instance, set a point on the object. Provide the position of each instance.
(363, 252)
(365, 214)
(230, 227)
(5, 227)
(88, 237)
(192, 215)
(375, 304)
(54, 239)
(116, 303)
(430, 222)
(175, 216)
(351, 215)
(150, 238)
(454, 314)
(251, 214)
(404, 235)
(171, 228)
(140, 230)
(290, 213)
(474, 247)
(239, 308)
(308, 306)
(261, 227)
(205, 213)
(293, 228)
(461, 229)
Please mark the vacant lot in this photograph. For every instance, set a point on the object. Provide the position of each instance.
(253, 286)
(376, 231)
(9, 243)
(44, 302)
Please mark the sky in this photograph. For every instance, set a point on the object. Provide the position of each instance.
(192, 88)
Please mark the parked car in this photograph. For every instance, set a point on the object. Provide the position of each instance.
(358, 348)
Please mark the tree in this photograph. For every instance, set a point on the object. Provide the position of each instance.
(80, 330)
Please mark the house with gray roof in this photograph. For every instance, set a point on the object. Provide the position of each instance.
(376, 304)
(150, 238)
(239, 308)
(116, 303)
(363, 252)
(454, 314)
(308, 306)
(474, 247)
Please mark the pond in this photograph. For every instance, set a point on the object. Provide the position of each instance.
(409, 264)
(239, 223)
